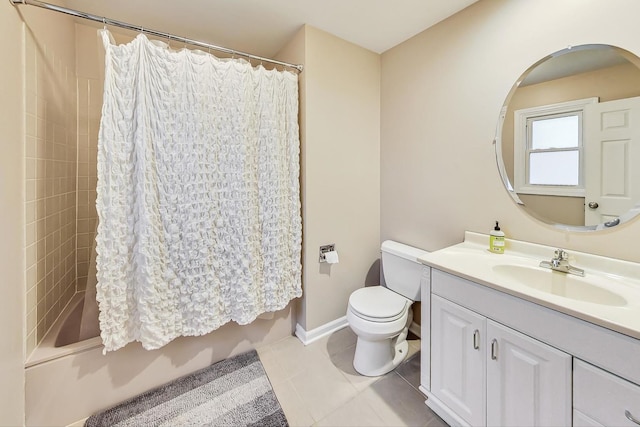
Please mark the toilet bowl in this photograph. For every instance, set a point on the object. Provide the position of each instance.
(380, 316)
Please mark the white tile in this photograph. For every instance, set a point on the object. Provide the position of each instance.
(436, 421)
(337, 341)
(293, 357)
(271, 366)
(409, 370)
(78, 423)
(397, 403)
(318, 384)
(292, 405)
(344, 362)
(323, 388)
(356, 412)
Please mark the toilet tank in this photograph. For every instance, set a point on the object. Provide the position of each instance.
(401, 269)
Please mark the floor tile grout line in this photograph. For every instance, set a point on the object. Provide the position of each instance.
(304, 406)
(411, 385)
(338, 408)
(344, 377)
(295, 389)
(324, 347)
(421, 394)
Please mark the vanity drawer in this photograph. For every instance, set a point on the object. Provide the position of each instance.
(604, 397)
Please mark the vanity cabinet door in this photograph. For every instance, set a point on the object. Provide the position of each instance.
(458, 359)
(528, 382)
(603, 397)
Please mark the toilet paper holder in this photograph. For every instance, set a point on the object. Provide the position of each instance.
(324, 249)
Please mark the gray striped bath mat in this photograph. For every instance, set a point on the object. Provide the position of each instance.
(232, 392)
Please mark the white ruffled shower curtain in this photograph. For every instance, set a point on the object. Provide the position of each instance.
(198, 193)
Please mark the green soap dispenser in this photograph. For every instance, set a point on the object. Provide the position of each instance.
(496, 240)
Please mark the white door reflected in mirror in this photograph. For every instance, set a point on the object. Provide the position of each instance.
(612, 159)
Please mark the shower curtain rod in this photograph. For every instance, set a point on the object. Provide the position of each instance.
(113, 22)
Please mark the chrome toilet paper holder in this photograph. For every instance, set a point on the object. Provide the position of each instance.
(324, 249)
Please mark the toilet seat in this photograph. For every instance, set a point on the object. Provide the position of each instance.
(378, 304)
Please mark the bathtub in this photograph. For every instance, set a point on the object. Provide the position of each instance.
(68, 383)
(63, 337)
(68, 378)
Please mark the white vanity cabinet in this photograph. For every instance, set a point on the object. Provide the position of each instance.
(514, 344)
(489, 374)
(603, 399)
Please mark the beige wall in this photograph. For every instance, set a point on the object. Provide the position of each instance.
(340, 136)
(12, 315)
(555, 209)
(50, 169)
(442, 92)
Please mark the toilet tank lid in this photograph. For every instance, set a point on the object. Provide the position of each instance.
(402, 250)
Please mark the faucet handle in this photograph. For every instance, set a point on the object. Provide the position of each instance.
(561, 254)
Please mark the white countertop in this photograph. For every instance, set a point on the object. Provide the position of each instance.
(619, 279)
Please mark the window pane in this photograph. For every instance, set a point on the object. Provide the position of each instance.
(558, 132)
(554, 168)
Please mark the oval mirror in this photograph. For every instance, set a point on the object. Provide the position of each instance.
(568, 138)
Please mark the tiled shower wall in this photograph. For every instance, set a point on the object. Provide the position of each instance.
(89, 111)
(50, 172)
(63, 102)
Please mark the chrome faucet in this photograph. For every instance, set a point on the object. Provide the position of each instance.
(560, 262)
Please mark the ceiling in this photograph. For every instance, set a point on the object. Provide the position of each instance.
(263, 27)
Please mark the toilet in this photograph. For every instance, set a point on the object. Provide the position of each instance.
(380, 315)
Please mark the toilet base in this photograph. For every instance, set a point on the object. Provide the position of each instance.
(375, 358)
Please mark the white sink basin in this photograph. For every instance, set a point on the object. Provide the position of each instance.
(608, 295)
(564, 285)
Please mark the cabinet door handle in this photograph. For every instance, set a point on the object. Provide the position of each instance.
(476, 339)
(631, 417)
(494, 349)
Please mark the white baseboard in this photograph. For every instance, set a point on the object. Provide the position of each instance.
(443, 411)
(307, 337)
(415, 329)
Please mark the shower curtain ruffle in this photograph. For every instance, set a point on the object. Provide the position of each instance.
(198, 193)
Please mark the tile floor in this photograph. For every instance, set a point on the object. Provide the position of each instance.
(317, 385)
